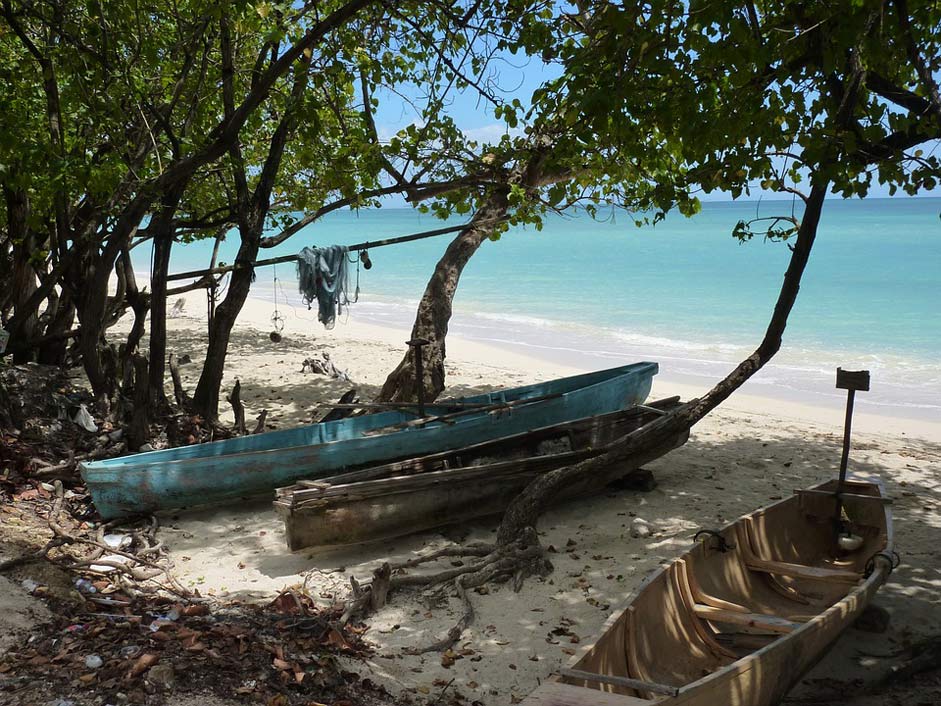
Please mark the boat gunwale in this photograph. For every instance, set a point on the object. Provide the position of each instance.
(102, 467)
(744, 664)
(587, 451)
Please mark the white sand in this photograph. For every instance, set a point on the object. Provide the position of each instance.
(750, 452)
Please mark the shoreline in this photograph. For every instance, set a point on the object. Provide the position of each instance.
(825, 407)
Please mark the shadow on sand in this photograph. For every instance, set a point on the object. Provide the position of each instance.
(703, 484)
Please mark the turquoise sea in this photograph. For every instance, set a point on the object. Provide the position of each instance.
(683, 292)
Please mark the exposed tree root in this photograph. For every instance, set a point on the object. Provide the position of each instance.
(142, 564)
(498, 563)
(59, 536)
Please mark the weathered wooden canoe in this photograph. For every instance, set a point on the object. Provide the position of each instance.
(391, 500)
(250, 465)
(737, 627)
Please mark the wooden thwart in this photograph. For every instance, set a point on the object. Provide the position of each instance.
(786, 568)
(752, 620)
(801, 571)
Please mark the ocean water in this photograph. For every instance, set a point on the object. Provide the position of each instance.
(683, 292)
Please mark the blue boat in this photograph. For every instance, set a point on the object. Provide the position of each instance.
(225, 471)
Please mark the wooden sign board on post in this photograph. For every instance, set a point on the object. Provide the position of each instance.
(852, 379)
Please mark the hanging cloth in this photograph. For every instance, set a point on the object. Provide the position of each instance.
(323, 275)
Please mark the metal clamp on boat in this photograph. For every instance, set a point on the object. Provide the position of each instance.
(721, 544)
(893, 559)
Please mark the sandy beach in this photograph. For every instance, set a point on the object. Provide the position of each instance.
(750, 452)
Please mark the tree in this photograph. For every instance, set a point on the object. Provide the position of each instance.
(731, 94)
(557, 163)
(296, 89)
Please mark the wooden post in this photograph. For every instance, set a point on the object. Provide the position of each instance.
(850, 381)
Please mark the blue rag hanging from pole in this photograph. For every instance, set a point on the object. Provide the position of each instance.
(323, 275)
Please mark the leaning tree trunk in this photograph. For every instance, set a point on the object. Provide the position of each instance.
(434, 310)
(524, 511)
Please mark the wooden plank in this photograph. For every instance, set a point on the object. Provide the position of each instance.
(752, 620)
(555, 693)
(743, 530)
(626, 682)
(801, 571)
(852, 379)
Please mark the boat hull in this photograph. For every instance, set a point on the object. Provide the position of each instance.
(753, 618)
(225, 471)
(456, 486)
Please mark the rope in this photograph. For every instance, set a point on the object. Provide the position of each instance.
(357, 247)
(276, 318)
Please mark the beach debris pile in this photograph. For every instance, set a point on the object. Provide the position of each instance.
(134, 651)
(126, 556)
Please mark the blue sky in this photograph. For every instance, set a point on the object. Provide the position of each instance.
(519, 76)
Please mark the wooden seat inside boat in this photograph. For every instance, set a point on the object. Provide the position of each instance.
(778, 570)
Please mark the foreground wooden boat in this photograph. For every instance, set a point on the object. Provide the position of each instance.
(250, 465)
(391, 500)
(738, 619)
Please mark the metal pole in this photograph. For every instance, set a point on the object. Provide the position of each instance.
(851, 382)
(417, 344)
(844, 461)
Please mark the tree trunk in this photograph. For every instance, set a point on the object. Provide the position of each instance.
(163, 242)
(206, 397)
(137, 429)
(526, 508)
(91, 312)
(158, 317)
(61, 313)
(140, 305)
(434, 310)
(91, 276)
(23, 279)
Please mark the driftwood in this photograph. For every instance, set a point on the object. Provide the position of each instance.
(238, 408)
(179, 393)
(324, 366)
(341, 412)
(260, 422)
